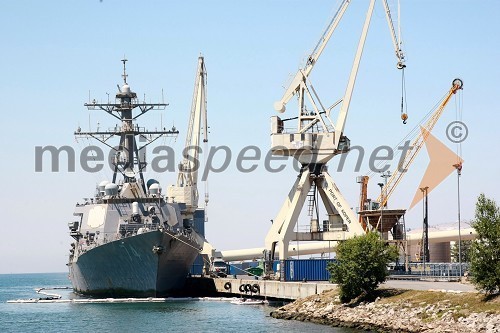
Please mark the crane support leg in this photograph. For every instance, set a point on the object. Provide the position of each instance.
(281, 232)
(337, 200)
(282, 228)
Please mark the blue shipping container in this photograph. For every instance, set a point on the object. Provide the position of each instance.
(236, 269)
(240, 268)
(309, 269)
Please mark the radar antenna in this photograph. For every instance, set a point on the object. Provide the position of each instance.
(124, 75)
(129, 158)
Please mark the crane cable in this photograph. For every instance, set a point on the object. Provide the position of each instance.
(458, 116)
(408, 137)
(401, 65)
(404, 106)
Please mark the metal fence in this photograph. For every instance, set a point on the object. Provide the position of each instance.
(433, 270)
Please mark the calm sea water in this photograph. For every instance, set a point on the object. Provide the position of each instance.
(182, 316)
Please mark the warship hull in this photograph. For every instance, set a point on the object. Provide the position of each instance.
(151, 264)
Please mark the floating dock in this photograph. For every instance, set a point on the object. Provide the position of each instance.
(124, 300)
(205, 289)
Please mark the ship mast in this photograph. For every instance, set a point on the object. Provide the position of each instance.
(127, 160)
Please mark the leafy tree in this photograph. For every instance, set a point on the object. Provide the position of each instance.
(465, 247)
(361, 265)
(485, 250)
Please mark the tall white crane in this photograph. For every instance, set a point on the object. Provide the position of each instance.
(186, 189)
(313, 143)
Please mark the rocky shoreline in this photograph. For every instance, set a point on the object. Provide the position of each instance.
(398, 313)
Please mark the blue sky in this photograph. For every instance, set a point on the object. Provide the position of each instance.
(54, 52)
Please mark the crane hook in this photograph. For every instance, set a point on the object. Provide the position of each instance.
(404, 117)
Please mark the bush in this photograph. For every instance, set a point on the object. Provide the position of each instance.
(361, 265)
(485, 250)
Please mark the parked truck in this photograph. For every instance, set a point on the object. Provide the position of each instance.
(218, 268)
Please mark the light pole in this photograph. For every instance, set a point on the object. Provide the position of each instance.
(383, 194)
(458, 166)
(425, 238)
(381, 210)
(385, 175)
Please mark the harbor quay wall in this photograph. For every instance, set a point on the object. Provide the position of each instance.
(230, 287)
(268, 288)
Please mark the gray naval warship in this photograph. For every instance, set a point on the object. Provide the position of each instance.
(129, 240)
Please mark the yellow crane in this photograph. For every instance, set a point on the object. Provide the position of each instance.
(395, 178)
(416, 145)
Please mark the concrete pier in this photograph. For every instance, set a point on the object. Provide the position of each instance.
(268, 288)
(230, 287)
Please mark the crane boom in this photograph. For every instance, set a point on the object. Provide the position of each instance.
(303, 73)
(186, 189)
(197, 116)
(416, 145)
(346, 101)
(396, 42)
